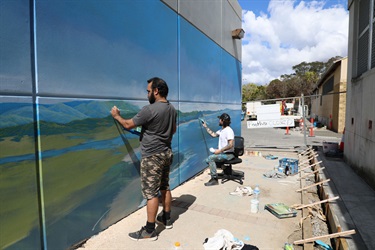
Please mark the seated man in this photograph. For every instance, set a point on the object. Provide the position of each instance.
(225, 147)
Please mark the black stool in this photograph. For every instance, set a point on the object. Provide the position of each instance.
(228, 173)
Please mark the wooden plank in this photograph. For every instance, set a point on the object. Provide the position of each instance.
(308, 160)
(313, 172)
(318, 202)
(313, 185)
(327, 236)
(341, 243)
(306, 151)
(307, 233)
(306, 224)
(309, 166)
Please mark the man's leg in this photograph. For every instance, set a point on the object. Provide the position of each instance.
(166, 199)
(165, 216)
(152, 209)
(149, 186)
(166, 196)
(148, 232)
(213, 170)
(212, 165)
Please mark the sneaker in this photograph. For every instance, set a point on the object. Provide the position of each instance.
(242, 191)
(212, 182)
(143, 235)
(238, 192)
(167, 223)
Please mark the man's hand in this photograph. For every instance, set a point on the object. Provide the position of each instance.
(217, 151)
(115, 112)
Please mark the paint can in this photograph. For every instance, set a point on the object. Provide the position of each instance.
(254, 206)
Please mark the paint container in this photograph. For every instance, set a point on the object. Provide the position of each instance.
(254, 206)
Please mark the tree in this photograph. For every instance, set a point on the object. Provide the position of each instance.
(253, 92)
(275, 89)
(304, 79)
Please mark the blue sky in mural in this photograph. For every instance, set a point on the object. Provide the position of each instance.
(283, 33)
(100, 56)
(114, 56)
(14, 50)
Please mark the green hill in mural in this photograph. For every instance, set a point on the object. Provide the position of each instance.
(69, 117)
(13, 115)
(52, 128)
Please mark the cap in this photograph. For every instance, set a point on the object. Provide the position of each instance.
(224, 117)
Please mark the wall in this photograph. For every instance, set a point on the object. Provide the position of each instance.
(339, 100)
(341, 86)
(360, 109)
(332, 109)
(322, 107)
(68, 171)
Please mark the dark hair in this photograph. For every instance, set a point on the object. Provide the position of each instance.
(160, 84)
(225, 118)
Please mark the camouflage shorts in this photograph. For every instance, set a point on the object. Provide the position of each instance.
(155, 173)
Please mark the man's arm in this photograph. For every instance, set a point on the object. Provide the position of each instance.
(126, 123)
(209, 131)
(227, 147)
(174, 128)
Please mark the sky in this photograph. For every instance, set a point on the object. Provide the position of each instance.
(280, 34)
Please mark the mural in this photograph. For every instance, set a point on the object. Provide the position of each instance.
(19, 211)
(67, 169)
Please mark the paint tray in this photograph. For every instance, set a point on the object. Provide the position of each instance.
(280, 210)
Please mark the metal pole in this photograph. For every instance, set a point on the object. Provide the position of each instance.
(303, 118)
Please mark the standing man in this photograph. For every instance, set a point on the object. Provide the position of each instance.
(225, 149)
(158, 121)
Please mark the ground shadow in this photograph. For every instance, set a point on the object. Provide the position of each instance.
(183, 203)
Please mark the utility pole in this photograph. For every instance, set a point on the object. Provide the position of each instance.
(303, 118)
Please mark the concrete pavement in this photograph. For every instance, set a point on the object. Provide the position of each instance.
(356, 207)
(199, 211)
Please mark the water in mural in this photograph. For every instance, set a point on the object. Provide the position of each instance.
(67, 170)
(89, 166)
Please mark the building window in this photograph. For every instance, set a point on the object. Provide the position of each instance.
(328, 86)
(366, 37)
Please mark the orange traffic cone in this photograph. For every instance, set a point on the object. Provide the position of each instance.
(287, 131)
(312, 128)
(330, 122)
(342, 141)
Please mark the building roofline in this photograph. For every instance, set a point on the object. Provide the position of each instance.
(329, 71)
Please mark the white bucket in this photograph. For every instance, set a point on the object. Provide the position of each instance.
(254, 206)
(330, 147)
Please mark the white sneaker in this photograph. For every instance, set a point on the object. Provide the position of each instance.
(249, 191)
(242, 191)
(237, 192)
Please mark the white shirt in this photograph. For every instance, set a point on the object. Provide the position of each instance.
(225, 135)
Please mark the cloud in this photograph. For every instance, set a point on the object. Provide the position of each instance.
(290, 33)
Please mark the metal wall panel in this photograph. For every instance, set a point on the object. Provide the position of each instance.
(19, 210)
(200, 66)
(92, 55)
(15, 38)
(105, 49)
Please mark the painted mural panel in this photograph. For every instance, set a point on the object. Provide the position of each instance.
(93, 55)
(15, 56)
(194, 141)
(90, 167)
(200, 66)
(19, 214)
(230, 79)
(103, 48)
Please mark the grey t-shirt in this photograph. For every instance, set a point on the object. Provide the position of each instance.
(157, 121)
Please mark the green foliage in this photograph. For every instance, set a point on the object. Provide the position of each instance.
(253, 92)
(304, 79)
